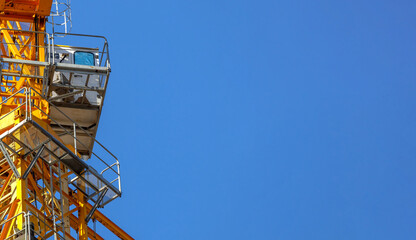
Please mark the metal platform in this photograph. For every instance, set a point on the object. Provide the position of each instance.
(34, 139)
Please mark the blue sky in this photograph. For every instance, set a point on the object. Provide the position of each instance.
(260, 119)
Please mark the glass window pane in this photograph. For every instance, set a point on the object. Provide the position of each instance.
(84, 58)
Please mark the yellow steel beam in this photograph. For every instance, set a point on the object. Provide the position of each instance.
(6, 229)
(6, 183)
(110, 225)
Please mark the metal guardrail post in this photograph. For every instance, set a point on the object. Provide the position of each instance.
(29, 92)
(119, 178)
(75, 137)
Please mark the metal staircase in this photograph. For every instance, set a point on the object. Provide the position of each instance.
(36, 141)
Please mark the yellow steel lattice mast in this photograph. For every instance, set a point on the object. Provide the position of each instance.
(51, 101)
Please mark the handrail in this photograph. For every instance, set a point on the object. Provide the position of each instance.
(12, 219)
(105, 49)
(30, 213)
(48, 37)
(27, 228)
(24, 88)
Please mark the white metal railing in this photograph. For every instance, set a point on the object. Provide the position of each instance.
(86, 40)
(41, 48)
(28, 229)
(14, 66)
(48, 46)
(47, 228)
(23, 63)
(10, 222)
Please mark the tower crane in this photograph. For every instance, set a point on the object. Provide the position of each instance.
(52, 183)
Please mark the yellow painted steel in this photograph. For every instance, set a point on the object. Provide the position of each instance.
(21, 25)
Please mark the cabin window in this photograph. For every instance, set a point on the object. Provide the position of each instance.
(84, 58)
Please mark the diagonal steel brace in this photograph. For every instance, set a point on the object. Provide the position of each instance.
(32, 163)
(97, 203)
(8, 158)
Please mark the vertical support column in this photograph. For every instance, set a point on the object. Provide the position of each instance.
(39, 55)
(82, 214)
(20, 185)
